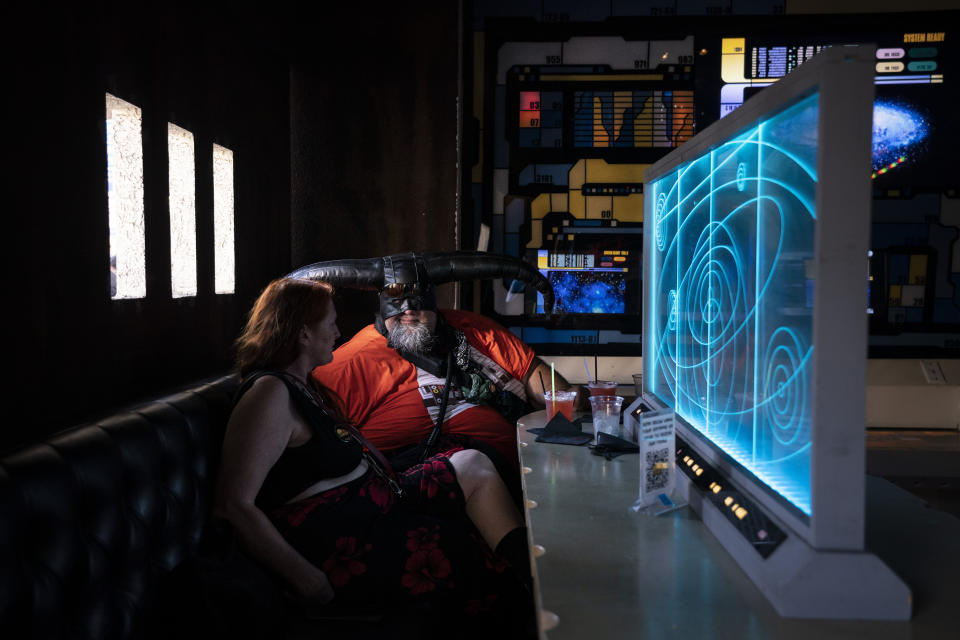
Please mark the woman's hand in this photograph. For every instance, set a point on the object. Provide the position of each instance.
(316, 590)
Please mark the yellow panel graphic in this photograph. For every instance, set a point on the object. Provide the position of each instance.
(628, 208)
(643, 125)
(600, 136)
(625, 208)
(599, 207)
(536, 232)
(893, 299)
(733, 45)
(560, 201)
(733, 53)
(577, 175)
(577, 205)
(598, 170)
(622, 100)
(540, 206)
(918, 269)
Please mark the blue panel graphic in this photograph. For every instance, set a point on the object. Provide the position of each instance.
(731, 303)
(554, 174)
(540, 335)
(899, 270)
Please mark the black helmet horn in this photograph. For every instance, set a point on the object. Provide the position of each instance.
(470, 265)
(444, 267)
(364, 274)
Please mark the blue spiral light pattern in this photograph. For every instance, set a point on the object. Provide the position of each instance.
(730, 316)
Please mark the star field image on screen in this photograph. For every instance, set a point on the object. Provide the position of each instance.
(731, 296)
(589, 291)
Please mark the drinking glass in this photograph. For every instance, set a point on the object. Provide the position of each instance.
(606, 414)
(561, 401)
(602, 387)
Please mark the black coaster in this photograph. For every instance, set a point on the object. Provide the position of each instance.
(559, 430)
(610, 446)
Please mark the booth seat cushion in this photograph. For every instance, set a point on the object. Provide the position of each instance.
(93, 518)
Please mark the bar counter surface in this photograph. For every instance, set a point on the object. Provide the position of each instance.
(604, 571)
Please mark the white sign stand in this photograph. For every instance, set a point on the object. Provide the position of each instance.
(658, 468)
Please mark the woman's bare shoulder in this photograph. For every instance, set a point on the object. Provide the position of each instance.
(267, 386)
(264, 402)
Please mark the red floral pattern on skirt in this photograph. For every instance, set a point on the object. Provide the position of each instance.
(373, 545)
(345, 562)
(425, 570)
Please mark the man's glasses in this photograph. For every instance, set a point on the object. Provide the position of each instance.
(398, 290)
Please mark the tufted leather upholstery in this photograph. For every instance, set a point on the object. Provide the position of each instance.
(92, 519)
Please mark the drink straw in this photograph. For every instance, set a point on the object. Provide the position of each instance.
(553, 390)
(587, 368)
(542, 386)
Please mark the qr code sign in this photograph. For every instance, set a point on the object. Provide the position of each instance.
(657, 469)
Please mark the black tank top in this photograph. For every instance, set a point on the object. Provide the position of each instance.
(329, 453)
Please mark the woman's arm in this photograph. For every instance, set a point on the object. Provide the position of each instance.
(259, 429)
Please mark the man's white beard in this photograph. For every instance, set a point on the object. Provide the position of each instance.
(413, 338)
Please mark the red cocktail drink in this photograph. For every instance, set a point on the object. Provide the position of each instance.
(602, 388)
(561, 401)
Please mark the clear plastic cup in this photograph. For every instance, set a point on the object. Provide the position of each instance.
(638, 384)
(606, 414)
(561, 401)
(602, 387)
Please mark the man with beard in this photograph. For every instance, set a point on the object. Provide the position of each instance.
(391, 377)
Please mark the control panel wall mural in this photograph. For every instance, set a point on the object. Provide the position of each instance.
(570, 102)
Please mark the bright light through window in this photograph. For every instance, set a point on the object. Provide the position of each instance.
(223, 255)
(183, 225)
(128, 275)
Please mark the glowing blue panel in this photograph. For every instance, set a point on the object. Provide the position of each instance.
(730, 301)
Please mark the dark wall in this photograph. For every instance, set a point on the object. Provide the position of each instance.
(343, 125)
(373, 137)
(77, 353)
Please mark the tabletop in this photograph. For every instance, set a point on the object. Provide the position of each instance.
(605, 571)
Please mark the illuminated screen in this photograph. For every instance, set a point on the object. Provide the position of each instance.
(599, 283)
(589, 291)
(731, 312)
(913, 132)
(902, 128)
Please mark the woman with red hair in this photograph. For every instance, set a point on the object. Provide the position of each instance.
(311, 500)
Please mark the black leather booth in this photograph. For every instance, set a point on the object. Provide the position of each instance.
(106, 533)
(94, 520)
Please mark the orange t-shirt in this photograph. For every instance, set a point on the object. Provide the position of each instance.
(380, 391)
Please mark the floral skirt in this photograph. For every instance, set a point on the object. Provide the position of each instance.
(377, 548)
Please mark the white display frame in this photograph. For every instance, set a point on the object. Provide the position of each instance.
(821, 570)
